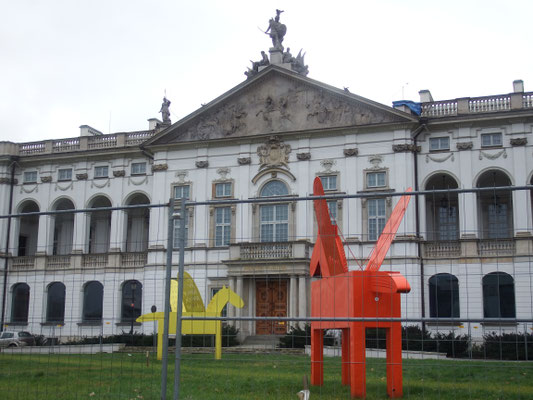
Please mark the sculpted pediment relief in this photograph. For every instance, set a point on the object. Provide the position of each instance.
(279, 103)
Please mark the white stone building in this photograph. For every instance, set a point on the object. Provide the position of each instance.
(466, 255)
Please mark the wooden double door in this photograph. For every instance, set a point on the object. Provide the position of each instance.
(271, 301)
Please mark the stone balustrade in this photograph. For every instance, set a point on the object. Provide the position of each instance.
(270, 250)
(82, 143)
(475, 105)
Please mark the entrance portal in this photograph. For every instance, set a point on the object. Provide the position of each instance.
(271, 301)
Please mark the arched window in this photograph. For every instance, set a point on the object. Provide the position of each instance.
(443, 296)
(274, 218)
(55, 302)
(28, 229)
(63, 228)
(100, 227)
(495, 207)
(137, 225)
(20, 303)
(93, 298)
(442, 212)
(498, 295)
(132, 292)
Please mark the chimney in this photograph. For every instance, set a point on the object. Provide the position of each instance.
(425, 96)
(86, 130)
(518, 86)
(153, 122)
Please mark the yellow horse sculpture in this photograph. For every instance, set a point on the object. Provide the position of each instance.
(193, 306)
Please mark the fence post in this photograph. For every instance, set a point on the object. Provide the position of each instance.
(168, 277)
(177, 354)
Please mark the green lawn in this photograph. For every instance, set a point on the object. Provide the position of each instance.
(248, 376)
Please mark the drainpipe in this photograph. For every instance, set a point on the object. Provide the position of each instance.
(417, 132)
(4, 288)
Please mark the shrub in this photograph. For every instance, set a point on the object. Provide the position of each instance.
(298, 338)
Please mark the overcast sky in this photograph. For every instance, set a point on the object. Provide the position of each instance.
(107, 63)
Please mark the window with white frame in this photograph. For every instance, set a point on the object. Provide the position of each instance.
(30, 177)
(182, 191)
(101, 171)
(138, 168)
(491, 139)
(64, 174)
(274, 223)
(376, 217)
(222, 226)
(274, 218)
(223, 189)
(332, 207)
(376, 179)
(177, 231)
(439, 143)
(329, 182)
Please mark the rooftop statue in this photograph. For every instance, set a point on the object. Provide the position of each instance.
(276, 30)
(256, 64)
(165, 112)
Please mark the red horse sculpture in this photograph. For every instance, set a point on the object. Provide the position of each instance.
(342, 294)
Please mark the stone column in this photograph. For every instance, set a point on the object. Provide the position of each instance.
(293, 302)
(468, 224)
(80, 240)
(231, 309)
(117, 236)
(239, 291)
(302, 298)
(44, 240)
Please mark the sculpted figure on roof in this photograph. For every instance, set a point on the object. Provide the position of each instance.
(276, 30)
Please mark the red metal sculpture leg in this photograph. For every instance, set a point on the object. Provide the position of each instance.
(345, 340)
(317, 357)
(394, 361)
(358, 360)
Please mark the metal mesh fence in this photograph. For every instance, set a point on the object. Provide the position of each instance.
(84, 295)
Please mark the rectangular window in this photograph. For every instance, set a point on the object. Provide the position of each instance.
(223, 189)
(491, 140)
(497, 221)
(101, 171)
(447, 223)
(182, 191)
(332, 207)
(375, 179)
(440, 143)
(274, 223)
(376, 217)
(138, 168)
(222, 226)
(329, 182)
(30, 177)
(177, 236)
(64, 174)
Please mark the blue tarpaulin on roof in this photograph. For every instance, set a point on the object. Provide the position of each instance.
(413, 106)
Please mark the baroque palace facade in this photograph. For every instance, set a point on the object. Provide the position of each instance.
(467, 255)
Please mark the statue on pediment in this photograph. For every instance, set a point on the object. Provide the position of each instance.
(274, 153)
(276, 30)
(165, 111)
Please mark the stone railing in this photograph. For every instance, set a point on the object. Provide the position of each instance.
(475, 105)
(58, 262)
(22, 263)
(496, 247)
(115, 140)
(439, 108)
(101, 142)
(131, 260)
(94, 261)
(445, 248)
(253, 251)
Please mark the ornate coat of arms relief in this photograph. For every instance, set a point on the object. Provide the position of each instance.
(274, 153)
